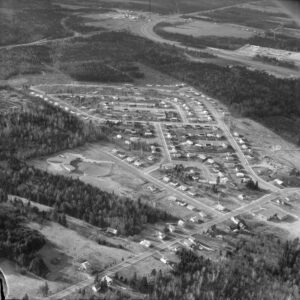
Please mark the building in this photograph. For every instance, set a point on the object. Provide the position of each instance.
(85, 266)
(161, 235)
(163, 260)
(146, 243)
(109, 280)
(166, 179)
(171, 228)
(181, 223)
(112, 230)
(190, 207)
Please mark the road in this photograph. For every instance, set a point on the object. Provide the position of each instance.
(218, 118)
(146, 30)
(262, 183)
(218, 217)
(140, 173)
(164, 144)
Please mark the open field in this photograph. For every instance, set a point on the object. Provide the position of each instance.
(199, 28)
(107, 175)
(20, 284)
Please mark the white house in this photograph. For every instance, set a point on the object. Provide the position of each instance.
(145, 243)
(112, 230)
(181, 223)
(109, 280)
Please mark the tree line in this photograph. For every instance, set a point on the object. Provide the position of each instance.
(260, 268)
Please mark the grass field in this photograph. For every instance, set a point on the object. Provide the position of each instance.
(105, 175)
(199, 28)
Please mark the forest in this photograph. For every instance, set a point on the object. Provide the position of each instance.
(260, 267)
(19, 243)
(41, 129)
(75, 198)
(23, 21)
(250, 93)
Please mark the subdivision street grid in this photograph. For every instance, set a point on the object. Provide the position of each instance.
(217, 216)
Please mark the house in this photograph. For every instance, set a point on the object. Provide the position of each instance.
(236, 134)
(161, 235)
(148, 133)
(278, 182)
(181, 223)
(202, 214)
(163, 260)
(190, 207)
(192, 193)
(112, 230)
(138, 163)
(183, 188)
(189, 142)
(242, 196)
(240, 175)
(130, 159)
(119, 136)
(108, 280)
(85, 266)
(202, 157)
(174, 183)
(193, 219)
(150, 158)
(134, 139)
(145, 243)
(96, 288)
(171, 228)
(181, 203)
(235, 220)
(166, 179)
(151, 188)
(210, 161)
(220, 207)
(224, 180)
(188, 243)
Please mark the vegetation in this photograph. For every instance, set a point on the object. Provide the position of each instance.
(19, 243)
(245, 16)
(78, 199)
(230, 43)
(23, 21)
(262, 267)
(42, 129)
(275, 61)
(24, 60)
(273, 101)
(95, 71)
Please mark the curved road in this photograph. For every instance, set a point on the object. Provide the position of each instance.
(147, 31)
